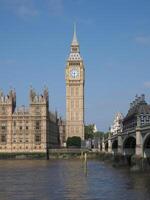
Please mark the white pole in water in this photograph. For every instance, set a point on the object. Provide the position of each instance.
(81, 155)
(85, 163)
(85, 157)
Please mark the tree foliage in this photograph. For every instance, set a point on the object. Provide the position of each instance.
(74, 141)
(89, 132)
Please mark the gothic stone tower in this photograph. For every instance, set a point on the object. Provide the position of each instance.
(75, 92)
(39, 119)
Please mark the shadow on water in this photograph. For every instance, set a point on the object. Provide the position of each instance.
(148, 161)
(129, 160)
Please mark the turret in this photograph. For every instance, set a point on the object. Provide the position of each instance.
(39, 103)
(38, 98)
(138, 100)
(7, 102)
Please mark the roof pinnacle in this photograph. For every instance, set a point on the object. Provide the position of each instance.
(74, 41)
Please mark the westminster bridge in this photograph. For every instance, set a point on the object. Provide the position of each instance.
(135, 142)
(134, 137)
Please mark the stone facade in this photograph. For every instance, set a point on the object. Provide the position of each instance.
(117, 125)
(54, 140)
(62, 132)
(75, 92)
(24, 129)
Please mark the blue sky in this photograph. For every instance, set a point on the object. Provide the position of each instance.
(114, 37)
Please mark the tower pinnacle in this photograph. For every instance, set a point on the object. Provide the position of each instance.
(74, 41)
(75, 50)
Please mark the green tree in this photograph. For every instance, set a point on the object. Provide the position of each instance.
(88, 129)
(89, 132)
(106, 135)
(74, 141)
(99, 134)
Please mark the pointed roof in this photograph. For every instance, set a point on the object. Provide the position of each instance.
(74, 41)
(139, 106)
(75, 50)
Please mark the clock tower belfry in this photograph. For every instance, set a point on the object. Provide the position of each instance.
(75, 91)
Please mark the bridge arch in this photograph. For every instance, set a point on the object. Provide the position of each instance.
(146, 146)
(115, 146)
(101, 147)
(106, 146)
(129, 145)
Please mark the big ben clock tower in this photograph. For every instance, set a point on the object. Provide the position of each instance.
(75, 91)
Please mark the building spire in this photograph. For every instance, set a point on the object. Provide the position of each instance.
(75, 50)
(74, 41)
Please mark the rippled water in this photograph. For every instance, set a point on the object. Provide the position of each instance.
(65, 180)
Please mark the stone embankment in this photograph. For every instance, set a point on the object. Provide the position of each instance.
(133, 162)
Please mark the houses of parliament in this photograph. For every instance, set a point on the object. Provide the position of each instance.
(36, 128)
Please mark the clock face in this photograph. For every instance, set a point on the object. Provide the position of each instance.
(74, 73)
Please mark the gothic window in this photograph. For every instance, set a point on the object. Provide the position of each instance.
(20, 127)
(77, 116)
(74, 63)
(72, 116)
(37, 125)
(37, 138)
(4, 126)
(74, 49)
(147, 118)
(72, 91)
(77, 129)
(3, 138)
(72, 130)
(144, 119)
(37, 110)
(3, 110)
(77, 104)
(77, 91)
(72, 103)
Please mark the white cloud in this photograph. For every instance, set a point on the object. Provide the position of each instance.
(26, 11)
(23, 8)
(143, 40)
(55, 7)
(28, 8)
(147, 84)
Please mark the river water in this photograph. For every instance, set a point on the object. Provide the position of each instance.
(66, 180)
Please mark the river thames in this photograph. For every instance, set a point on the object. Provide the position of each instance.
(66, 180)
